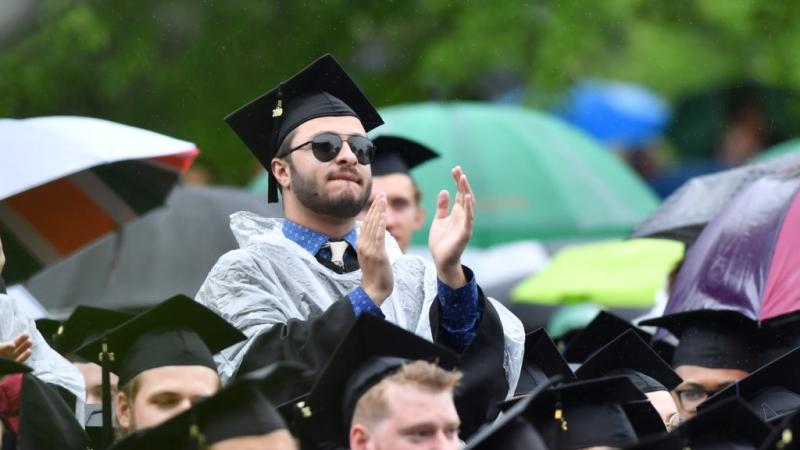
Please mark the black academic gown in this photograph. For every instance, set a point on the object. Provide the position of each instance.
(312, 342)
(46, 421)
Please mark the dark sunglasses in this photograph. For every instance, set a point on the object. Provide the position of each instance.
(326, 146)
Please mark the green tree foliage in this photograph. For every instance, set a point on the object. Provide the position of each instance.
(179, 67)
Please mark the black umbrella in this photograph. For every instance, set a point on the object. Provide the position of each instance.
(684, 214)
(167, 252)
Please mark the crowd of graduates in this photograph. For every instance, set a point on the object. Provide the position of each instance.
(320, 332)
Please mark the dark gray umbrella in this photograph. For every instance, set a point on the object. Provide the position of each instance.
(167, 252)
(684, 214)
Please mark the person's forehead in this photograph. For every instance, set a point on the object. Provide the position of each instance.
(345, 125)
(178, 378)
(708, 377)
(411, 401)
(394, 185)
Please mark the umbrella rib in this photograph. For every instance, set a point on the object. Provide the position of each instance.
(107, 199)
(39, 247)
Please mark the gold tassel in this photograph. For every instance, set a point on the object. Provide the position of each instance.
(278, 111)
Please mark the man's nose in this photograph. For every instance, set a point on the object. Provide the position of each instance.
(346, 155)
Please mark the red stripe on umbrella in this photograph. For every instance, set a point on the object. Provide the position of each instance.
(181, 161)
(63, 214)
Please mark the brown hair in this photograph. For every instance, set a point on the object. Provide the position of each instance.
(131, 388)
(371, 408)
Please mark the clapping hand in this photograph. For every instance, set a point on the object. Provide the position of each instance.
(450, 233)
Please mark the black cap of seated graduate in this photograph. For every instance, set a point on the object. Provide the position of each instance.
(712, 338)
(84, 325)
(511, 430)
(542, 361)
(586, 413)
(396, 154)
(602, 330)
(177, 332)
(360, 362)
(728, 425)
(629, 355)
(322, 89)
(773, 391)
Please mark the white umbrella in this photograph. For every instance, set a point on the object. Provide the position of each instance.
(66, 181)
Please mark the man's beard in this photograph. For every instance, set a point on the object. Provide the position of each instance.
(318, 200)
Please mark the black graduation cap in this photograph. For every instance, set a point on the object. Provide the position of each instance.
(629, 355)
(778, 336)
(395, 154)
(371, 350)
(726, 423)
(541, 362)
(644, 418)
(785, 435)
(177, 332)
(773, 390)
(586, 413)
(48, 328)
(240, 409)
(729, 425)
(599, 332)
(84, 325)
(511, 431)
(712, 338)
(322, 89)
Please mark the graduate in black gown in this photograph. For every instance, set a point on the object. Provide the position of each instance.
(43, 420)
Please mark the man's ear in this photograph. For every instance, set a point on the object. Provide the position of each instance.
(281, 172)
(123, 411)
(359, 437)
(419, 217)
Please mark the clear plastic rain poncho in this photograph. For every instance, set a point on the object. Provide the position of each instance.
(46, 363)
(271, 279)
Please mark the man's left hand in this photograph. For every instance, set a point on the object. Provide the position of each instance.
(450, 234)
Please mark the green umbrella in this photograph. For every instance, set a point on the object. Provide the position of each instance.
(617, 274)
(782, 149)
(534, 176)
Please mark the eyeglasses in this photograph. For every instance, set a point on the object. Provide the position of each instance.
(690, 398)
(326, 146)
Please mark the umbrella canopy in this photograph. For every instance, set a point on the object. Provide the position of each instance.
(780, 150)
(617, 274)
(66, 181)
(167, 252)
(748, 258)
(618, 114)
(534, 176)
(684, 214)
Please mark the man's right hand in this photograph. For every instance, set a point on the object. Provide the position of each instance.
(18, 350)
(377, 277)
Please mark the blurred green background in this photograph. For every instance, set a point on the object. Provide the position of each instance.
(178, 67)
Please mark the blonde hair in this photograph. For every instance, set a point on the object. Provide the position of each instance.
(371, 408)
